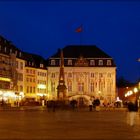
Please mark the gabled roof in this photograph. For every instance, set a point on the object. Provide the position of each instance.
(37, 59)
(86, 51)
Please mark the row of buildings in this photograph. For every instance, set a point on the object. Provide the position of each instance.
(88, 73)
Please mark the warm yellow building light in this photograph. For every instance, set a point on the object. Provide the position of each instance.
(41, 86)
(135, 90)
(21, 94)
(41, 94)
(5, 79)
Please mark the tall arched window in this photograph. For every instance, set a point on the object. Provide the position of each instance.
(81, 87)
(53, 86)
(92, 87)
(69, 86)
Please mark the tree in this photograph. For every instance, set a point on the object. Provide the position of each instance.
(121, 82)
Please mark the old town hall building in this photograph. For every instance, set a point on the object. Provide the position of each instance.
(87, 73)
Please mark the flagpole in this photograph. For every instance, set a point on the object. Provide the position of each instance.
(81, 34)
(80, 30)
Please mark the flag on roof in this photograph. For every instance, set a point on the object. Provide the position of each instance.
(79, 29)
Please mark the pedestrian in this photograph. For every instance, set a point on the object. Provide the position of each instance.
(90, 105)
(132, 109)
(97, 103)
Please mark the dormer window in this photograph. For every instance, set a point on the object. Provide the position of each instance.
(108, 62)
(69, 62)
(32, 63)
(5, 49)
(10, 50)
(100, 62)
(16, 53)
(92, 62)
(41, 65)
(29, 63)
(19, 54)
(53, 62)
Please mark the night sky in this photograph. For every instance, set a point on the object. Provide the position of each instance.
(41, 27)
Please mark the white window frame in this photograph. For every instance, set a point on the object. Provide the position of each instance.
(53, 62)
(108, 62)
(70, 62)
(92, 62)
(100, 63)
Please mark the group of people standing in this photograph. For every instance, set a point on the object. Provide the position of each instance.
(94, 104)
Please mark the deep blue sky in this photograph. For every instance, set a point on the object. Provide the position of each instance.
(41, 27)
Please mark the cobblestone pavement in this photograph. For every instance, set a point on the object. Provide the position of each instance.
(104, 125)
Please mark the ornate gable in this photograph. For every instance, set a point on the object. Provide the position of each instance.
(81, 62)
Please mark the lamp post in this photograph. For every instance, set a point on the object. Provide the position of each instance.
(135, 91)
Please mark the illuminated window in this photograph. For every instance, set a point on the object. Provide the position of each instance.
(53, 62)
(21, 65)
(53, 75)
(69, 62)
(19, 54)
(5, 49)
(109, 85)
(92, 87)
(10, 50)
(92, 62)
(20, 76)
(69, 75)
(27, 79)
(80, 87)
(30, 89)
(100, 62)
(31, 71)
(27, 70)
(16, 53)
(101, 86)
(41, 65)
(69, 86)
(53, 86)
(17, 64)
(92, 75)
(109, 62)
(100, 75)
(33, 89)
(30, 79)
(21, 88)
(34, 80)
(27, 89)
(109, 75)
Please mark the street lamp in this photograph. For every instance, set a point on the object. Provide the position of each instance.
(135, 91)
